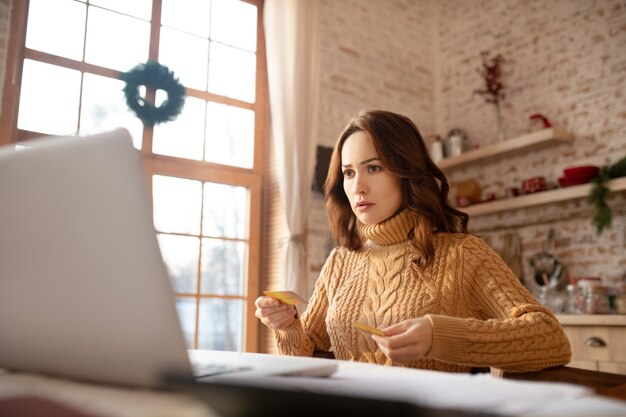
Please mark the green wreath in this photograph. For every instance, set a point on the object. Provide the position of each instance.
(157, 77)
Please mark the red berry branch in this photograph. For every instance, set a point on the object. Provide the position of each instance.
(491, 72)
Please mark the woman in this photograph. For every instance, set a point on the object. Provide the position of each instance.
(406, 264)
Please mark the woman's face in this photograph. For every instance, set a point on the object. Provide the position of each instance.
(375, 194)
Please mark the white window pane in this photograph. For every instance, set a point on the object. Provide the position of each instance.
(190, 68)
(224, 211)
(192, 16)
(232, 72)
(177, 204)
(180, 254)
(223, 267)
(230, 135)
(116, 41)
(233, 22)
(186, 308)
(183, 137)
(104, 108)
(62, 35)
(48, 106)
(220, 325)
(138, 8)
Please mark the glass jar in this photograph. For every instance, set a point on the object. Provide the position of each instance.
(573, 300)
(436, 150)
(597, 300)
(549, 297)
(543, 296)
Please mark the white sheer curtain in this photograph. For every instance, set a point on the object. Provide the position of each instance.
(290, 35)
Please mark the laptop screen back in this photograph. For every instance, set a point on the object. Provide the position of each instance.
(83, 289)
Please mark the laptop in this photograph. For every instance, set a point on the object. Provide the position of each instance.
(84, 292)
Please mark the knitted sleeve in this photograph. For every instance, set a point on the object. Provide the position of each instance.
(514, 333)
(308, 333)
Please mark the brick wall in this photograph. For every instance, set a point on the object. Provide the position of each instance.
(564, 58)
(373, 55)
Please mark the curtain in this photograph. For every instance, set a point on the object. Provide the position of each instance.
(290, 36)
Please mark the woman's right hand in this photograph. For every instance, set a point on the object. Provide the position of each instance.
(273, 313)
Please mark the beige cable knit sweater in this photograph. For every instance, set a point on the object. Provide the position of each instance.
(482, 316)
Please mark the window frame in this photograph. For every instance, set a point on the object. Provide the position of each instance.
(155, 164)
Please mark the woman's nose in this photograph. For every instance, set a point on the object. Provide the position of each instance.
(359, 186)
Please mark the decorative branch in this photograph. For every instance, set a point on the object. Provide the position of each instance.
(491, 72)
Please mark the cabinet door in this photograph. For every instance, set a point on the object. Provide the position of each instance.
(583, 364)
(613, 367)
(590, 343)
(617, 344)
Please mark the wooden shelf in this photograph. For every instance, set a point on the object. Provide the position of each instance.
(592, 319)
(540, 138)
(536, 199)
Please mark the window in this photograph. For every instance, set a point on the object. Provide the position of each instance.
(204, 168)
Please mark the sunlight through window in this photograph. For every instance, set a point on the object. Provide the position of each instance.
(200, 166)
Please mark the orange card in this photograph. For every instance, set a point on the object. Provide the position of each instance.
(368, 329)
(287, 297)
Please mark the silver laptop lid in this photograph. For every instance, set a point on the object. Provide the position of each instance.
(83, 289)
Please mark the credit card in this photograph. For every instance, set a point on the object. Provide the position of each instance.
(287, 297)
(368, 329)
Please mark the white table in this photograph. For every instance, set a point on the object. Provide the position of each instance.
(480, 392)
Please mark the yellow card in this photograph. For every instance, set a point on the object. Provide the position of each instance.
(287, 297)
(368, 329)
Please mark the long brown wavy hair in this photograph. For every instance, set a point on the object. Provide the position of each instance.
(402, 151)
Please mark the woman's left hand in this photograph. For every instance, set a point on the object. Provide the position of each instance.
(406, 341)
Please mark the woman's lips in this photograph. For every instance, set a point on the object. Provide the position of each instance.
(364, 205)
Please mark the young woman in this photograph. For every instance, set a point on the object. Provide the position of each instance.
(405, 263)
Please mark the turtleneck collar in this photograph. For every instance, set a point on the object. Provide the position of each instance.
(393, 230)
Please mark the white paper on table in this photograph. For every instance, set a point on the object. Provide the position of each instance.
(481, 392)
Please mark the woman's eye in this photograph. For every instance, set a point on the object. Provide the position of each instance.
(373, 168)
(348, 173)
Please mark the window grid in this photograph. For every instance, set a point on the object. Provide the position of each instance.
(156, 164)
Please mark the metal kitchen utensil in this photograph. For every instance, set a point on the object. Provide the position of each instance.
(547, 267)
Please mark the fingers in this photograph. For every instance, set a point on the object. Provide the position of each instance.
(406, 341)
(290, 317)
(397, 347)
(273, 313)
(399, 340)
(397, 328)
(404, 354)
(278, 320)
(264, 301)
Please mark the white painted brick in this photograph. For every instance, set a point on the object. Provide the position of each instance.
(565, 59)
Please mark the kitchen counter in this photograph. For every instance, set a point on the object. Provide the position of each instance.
(592, 319)
(598, 341)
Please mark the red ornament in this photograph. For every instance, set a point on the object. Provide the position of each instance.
(544, 120)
